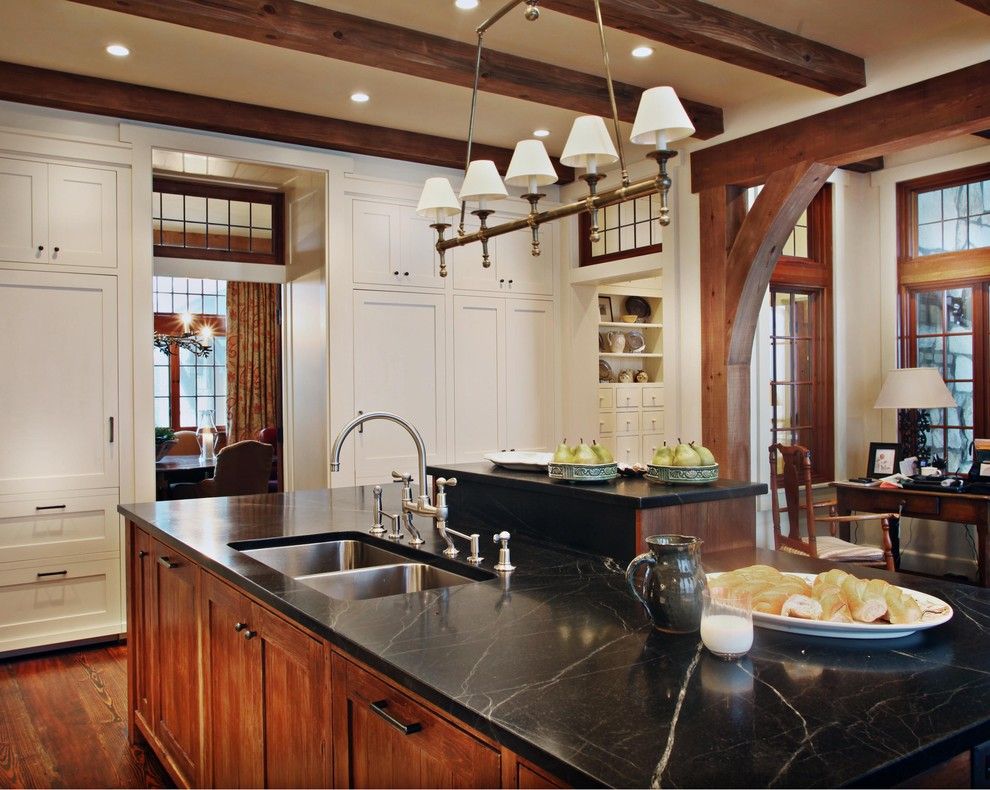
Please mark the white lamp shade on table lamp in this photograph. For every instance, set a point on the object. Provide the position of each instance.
(914, 388)
(437, 200)
(660, 119)
(530, 166)
(588, 145)
(482, 182)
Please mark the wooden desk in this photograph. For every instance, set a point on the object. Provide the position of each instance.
(934, 505)
(180, 468)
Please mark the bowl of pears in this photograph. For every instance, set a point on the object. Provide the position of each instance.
(585, 463)
(685, 464)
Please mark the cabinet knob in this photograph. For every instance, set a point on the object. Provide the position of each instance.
(250, 634)
(55, 249)
(41, 248)
(510, 282)
(502, 280)
(396, 273)
(405, 274)
(240, 626)
(142, 554)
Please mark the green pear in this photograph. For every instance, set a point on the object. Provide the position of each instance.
(563, 455)
(602, 453)
(584, 455)
(664, 456)
(706, 455)
(685, 455)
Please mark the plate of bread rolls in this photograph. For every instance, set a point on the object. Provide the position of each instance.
(831, 604)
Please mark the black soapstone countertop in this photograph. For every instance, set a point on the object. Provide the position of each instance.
(559, 663)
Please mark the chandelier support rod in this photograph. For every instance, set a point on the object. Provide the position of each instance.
(474, 107)
(483, 27)
(611, 92)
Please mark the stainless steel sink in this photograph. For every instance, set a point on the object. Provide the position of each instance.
(408, 577)
(307, 559)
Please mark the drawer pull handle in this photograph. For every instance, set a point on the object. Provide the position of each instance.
(250, 634)
(50, 507)
(240, 626)
(165, 562)
(52, 573)
(405, 729)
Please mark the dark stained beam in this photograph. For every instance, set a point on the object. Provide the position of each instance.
(321, 31)
(65, 91)
(924, 112)
(712, 31)
(983, 133)
(979, 5)
(870, 165)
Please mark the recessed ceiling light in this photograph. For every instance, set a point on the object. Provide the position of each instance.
(359, 97)
(541, 133)
(466, 5)
(642, 52)
(118, 50)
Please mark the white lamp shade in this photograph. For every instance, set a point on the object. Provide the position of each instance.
(530, 160)
(660, 118)
(588, 138)
(914, 388)
(482, 182)
(437, 199)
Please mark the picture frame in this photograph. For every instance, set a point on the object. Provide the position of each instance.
(884, 459)
(605, 309)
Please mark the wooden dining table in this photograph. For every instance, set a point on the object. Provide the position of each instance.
(180, 469)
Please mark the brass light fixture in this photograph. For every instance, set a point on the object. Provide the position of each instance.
(660, 120)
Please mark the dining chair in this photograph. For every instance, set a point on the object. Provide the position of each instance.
(794, 477)
(242, 468)
(185, 444)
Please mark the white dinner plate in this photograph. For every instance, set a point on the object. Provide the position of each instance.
(795, 625)
(521, 462)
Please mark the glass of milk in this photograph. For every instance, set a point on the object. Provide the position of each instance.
(727, 623)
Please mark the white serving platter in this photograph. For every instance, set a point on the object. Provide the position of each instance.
(795, 625)
(520, 461)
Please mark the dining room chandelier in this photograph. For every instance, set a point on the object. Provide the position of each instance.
(660, 120)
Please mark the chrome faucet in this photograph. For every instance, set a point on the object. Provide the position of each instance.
(474, 557)
(421, 506)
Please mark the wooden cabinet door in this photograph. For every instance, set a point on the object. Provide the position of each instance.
(374, 751)
(529, 374)
(141, 628)
(58, 388)
(23, 211)
(176, 659)
(296, 699)
(479, 380)
(232, 677)
(82, 216)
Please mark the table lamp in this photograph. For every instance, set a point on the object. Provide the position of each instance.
(910, 390)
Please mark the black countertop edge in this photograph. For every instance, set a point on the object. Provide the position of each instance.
(634, 492)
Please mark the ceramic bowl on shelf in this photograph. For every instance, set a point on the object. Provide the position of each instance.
(682, 475)
(630, 319)
(583, 473)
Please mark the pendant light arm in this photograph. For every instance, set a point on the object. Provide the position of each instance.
(611, 93)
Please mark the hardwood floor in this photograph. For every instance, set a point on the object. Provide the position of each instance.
(63, 722)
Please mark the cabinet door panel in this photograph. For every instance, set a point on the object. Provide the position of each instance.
(479, 381)
(83, 216)
(420, 261)
(465, 262)
(376, 242)
(399, 367)
(529, 375)
(519, 271)
(23, 211)
(60, 343)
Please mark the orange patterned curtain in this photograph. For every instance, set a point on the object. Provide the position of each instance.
(254, 345)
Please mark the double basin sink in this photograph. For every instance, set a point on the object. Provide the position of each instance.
(352, 566)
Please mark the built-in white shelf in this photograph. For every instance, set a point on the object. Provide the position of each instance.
(633, 355)
(626, 325)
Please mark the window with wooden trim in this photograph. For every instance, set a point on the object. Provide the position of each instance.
(220, 223)
(944, 279)
(626, 229)
(801, 367)
(185, 385)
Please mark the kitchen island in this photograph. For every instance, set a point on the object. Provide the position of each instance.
(551, 675)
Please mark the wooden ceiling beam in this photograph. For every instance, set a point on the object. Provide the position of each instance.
(47, 88)
(978, 5)
(717, 33)
(322, 31)
(924, 112)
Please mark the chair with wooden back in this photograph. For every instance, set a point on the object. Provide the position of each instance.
(242, 468)
(794, 477)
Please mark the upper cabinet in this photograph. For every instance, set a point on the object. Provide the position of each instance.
(57, 214)
(514, 269)
(391, 245)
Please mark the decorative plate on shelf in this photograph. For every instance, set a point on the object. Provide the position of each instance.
(639, 307)
(604, 371)
(635, 342)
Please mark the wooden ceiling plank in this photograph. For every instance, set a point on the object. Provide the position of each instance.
(47, 88)
(871, 165)
(945, 106)
(322, 31)
(708, 30)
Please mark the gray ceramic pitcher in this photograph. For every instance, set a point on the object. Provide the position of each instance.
(672, 587)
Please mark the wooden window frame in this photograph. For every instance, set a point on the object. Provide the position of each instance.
(198, 189)
(170, 324)
(813, 276)
(585, 258)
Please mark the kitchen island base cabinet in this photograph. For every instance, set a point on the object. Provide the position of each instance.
(385, 738)
(267, 690)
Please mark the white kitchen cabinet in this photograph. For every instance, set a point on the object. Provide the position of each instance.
(59, 383)
(49, 526)
(514, 270)
(58, 214)
(503, 355)
(400, 367)
(391, 245)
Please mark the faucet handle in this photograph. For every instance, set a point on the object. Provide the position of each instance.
(445, 482)
(406, 478)
(504, 563)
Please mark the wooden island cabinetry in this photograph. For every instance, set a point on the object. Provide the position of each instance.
(230, 693)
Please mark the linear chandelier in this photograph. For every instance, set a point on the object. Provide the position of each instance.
(660, 120)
